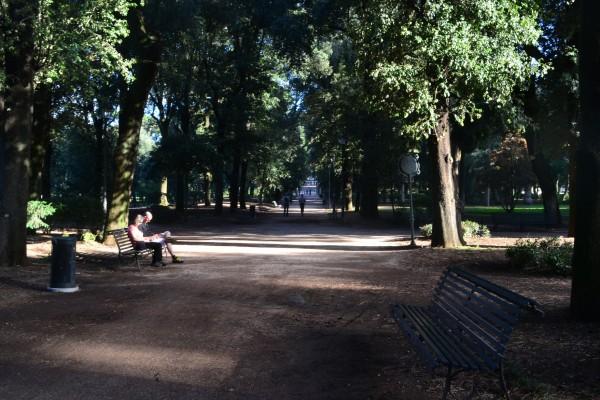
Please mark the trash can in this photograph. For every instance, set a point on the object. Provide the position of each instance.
(62, 266)
(252, 211)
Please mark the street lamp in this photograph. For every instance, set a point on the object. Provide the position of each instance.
(331, 178)
(409, 166)
(342, 141)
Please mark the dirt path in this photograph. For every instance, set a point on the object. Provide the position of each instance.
(286, 308)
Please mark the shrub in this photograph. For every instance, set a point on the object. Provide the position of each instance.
(544, 256)
(471, 229)
(37, 211)
(426, 230)
(89, 236)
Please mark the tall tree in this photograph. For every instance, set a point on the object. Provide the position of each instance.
(74, 49)
(440, 59)
(145, 46)
(585, 295)
(18, 51)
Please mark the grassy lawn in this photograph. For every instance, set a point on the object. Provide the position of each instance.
(492, 210)
(522, 209)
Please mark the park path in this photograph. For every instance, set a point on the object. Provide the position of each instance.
(281, 308)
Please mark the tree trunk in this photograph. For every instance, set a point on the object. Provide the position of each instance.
(546, 179)
(163, 125)
(585, 293)
(219, 184)
(243, 184)
(369, 190)
(42, 125)
(445, 231)
(16, 132)
(206, 189)
(347, 189)
(369, 180)
(234, 182)
(164, 191)
(456, 162)
(181, 191)
(572, 182)
(133, 101)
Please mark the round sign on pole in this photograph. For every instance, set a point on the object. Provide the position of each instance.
(409, 165)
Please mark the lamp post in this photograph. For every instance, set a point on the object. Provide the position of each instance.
(331, 186)
(342, 141)
(410, 167)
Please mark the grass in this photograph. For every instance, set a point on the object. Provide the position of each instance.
(494, 210)
(520, 209)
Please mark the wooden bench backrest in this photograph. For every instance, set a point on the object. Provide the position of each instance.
(122, 239)
(478, 310)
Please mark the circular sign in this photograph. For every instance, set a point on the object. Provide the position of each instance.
(409, 165)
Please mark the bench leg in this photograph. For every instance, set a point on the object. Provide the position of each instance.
(503, 381)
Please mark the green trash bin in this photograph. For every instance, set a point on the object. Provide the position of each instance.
(62, 266)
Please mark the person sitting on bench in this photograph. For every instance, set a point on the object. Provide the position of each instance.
(166, 235)
(154, 242)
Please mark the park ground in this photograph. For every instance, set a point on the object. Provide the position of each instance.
(270, 308)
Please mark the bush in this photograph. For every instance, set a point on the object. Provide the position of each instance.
(426, 230)
(471, 229)
(37, 211)
(88, 236)
(543, 256)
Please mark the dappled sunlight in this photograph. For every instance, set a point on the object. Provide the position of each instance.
(341, 240)
(196, 250)
(172, 364)
(312, 282)
(278, 245)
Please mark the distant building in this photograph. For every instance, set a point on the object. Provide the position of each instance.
(309, 188)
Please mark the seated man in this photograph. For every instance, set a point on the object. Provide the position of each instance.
(140, 242)
(166, 235)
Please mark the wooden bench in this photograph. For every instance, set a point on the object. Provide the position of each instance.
(126, 248)
(466, 327)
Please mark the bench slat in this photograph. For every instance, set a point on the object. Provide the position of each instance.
(434, 335)
(479, 347)
(488, 333)
(462, 285)
(478, 308)
(502, 316)
(504, 293)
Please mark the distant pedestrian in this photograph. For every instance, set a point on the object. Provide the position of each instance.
(302, 202)
(286, 205)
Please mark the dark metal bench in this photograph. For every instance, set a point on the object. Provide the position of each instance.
(466, 327)
(126, 248)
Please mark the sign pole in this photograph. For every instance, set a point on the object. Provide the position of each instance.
(412, 213)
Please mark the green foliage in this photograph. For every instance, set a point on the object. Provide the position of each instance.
(77, 40)
(428, 56)
(471, 229)
(80, 211)
(89, 236)
(426, 230)
(510, 169)
(550, 256)
(37, 212)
